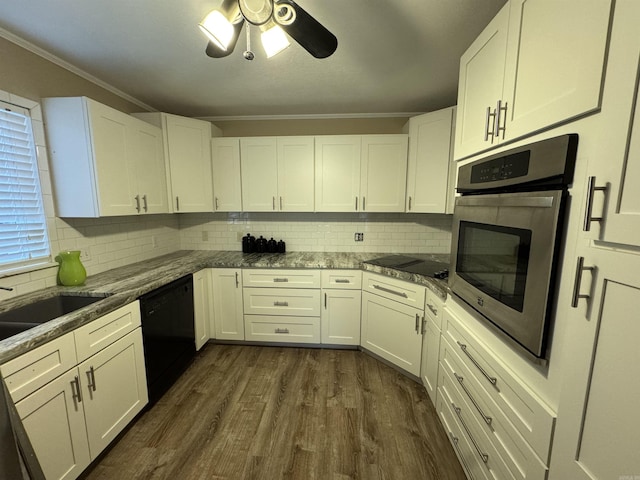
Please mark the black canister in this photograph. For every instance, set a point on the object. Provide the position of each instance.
(261, 244)
(272, 246)
(281, 247)
(248, 243)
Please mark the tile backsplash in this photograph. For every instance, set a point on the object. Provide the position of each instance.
(320, 232)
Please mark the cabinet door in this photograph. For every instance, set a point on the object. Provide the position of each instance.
(597, 433)
(225, 160)
(147, 158)
(295, 174)
(227, 304)
(114, 389)
(430, 146)
(430, 357)
(112, 151)
(392, 331)
(337, 173)
(203, 306)
(54, 421)
(480, 86)
(258, 157)
(554, 67)
(383, 174)
(189, 151)
(340, 317)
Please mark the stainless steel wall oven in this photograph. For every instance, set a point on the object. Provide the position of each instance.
(507, 230)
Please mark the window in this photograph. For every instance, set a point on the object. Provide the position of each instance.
(23, 227)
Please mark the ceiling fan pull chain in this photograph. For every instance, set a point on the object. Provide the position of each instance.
(248, 54)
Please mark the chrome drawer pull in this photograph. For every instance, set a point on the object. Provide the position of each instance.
(588, 218)
(342, 280)
(137, 199)
(433, 309)
(280, 304)
(417, 327)
(76, 393)
(483, 456)
(455, 441)
(388, 290)
(460, 380)
(575, 298)
(492, 380)
(144, 203)
(282, 330)
(91, 375)
(281, 280)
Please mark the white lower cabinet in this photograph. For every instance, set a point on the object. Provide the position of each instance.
(431, 343)
(202, 307)
(341, 307)
(228, 323)
(72, 418)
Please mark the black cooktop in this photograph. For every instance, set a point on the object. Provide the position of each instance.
(428, 268)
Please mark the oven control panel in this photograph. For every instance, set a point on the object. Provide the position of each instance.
(502, 168)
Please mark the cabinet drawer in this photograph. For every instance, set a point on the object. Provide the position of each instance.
(404, 292)
(94, 336)
(433, 306)
(271, 328)
(25, 374)
(281, 301)
(344, 279)
(281, 278)
(516, 453)
(529, 415)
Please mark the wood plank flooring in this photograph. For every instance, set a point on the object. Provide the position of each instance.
(248, 412)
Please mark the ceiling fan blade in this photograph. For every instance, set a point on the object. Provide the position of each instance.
(215, 51)
(309, 33)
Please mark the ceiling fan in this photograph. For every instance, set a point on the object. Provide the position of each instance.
(274, 18)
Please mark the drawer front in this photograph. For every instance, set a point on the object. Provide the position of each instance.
(529, 415)
(406, 293)
(94, 336)
(483, 449)
(281, 301)
(271, 328)
(516, 453)
(281, 278)
(26, 373)
(344, 279)
(433, 307)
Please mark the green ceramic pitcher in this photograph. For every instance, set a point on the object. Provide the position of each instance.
(71, 271)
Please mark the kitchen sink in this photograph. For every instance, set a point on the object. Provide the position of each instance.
(28, 316)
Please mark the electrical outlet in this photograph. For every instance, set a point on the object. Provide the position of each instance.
(358, 237)
(85, 256)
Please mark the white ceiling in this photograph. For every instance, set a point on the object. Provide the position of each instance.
(393, 56)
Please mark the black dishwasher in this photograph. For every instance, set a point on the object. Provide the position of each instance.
(168, 334)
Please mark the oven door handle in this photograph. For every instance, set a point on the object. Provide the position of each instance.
(505, 201)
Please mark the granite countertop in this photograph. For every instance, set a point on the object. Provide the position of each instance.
(123, 285)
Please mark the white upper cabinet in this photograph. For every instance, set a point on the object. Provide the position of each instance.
(225, 163)
(383, 174)
(430, 155)
(361, 173)
(546, 72)
(109, 160)
(277, 174)
(187, 147)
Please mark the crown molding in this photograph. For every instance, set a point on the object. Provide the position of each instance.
(21, 42)
(324, 116)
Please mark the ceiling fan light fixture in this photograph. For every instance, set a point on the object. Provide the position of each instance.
(274, 40)
(217, 28)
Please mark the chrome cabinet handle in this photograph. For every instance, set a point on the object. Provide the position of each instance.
(280, 304)
(588, 218)
(575, 298)
(483, 456)
(177, 204)
(273, 203)
(144, 203)
(492, 380)
(433, 309)
(460, 380)
(91, 376)
(325, 301)
(76, 394)
(356, 204)
(388, 290)
(282, 330)
(281, 280)
(342, 280)
(363, 200)
(417, 327)
(501, 113)
(237, 281)
(280, 203)
(424, 325)
(216, 203)
(137, 199)
(455, 441)
(490, 120)
(409, 204)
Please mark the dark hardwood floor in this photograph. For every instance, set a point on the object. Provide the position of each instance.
(246, 412)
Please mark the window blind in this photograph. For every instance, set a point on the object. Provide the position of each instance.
(23, 227)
